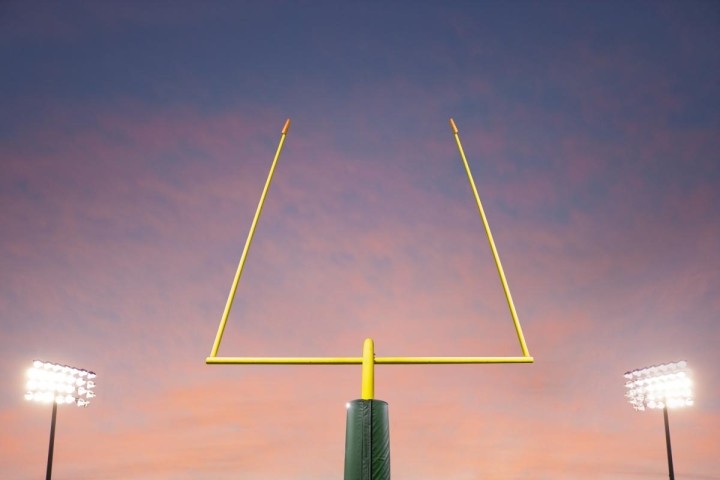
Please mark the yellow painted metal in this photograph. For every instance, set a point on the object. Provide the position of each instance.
(501, 273)
(368, 370)
(236, 281)
(449, 360)
(361, 360)
(284, 360)
(368, 359)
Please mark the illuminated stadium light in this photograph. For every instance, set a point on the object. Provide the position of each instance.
(56, 384)
(661, 387)
(50, 382)
(657, 387)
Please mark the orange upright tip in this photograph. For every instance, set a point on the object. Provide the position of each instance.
(286, 126)
(453, 126)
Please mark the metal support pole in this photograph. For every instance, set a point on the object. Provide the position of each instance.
(367, 434)
(52, 441)
(496, 256)
(243, 257)
(667, 442)
(368, 370)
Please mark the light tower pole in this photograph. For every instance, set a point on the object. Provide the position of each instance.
(60, 385)
(661, 387)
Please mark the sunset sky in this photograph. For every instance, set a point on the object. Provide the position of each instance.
(136, 137)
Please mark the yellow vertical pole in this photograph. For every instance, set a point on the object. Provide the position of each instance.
(501, 273)
(368, 370)
(236, 281)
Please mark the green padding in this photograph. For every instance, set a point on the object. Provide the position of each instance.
(367, 441)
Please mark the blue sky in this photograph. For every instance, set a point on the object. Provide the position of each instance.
(135, 138)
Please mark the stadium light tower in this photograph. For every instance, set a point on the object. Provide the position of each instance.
(60, 385)
(660, 387)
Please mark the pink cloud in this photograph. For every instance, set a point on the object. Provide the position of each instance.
(130, 256)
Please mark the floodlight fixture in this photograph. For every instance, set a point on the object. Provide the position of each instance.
(51, 382)
(660, 386)
(58, 384)
(664, 386)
